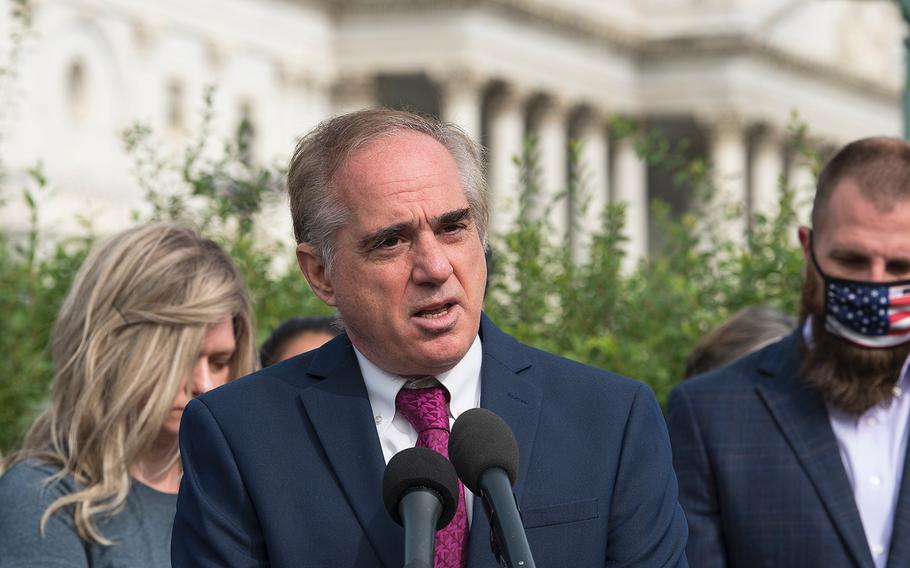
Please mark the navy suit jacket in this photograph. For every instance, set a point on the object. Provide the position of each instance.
(760, 473)
(284, 467)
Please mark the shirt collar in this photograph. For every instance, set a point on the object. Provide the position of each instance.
(462, 381)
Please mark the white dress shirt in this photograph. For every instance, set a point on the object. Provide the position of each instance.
(395, 432)
(873, 447)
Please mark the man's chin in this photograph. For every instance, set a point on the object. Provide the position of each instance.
(439, 357)
(423, 355)
(850, 377)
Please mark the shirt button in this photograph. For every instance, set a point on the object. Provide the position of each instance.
(897, 391)
(872, 421)
(875, 480)
(378, 419)
(878, 550)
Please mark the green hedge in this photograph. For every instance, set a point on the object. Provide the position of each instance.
(641, 323)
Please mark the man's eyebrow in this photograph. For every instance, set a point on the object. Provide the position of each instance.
(846, 252)
(371, 240)
(850, 254)
(453, 217)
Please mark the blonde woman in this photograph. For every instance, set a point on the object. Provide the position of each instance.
(155, 316)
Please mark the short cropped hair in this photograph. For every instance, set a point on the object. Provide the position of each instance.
(291, 328)
(747, 330)
(879, 166)
(316, 212)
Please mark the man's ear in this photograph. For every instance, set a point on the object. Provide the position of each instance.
(313, 268)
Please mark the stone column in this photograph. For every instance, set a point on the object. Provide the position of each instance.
(727, 155)
(553, 144)
(353, 92)
(594, 191)
(506, 138)
(304, 103)
(461, 98)
(631, 188)
(320, 101)
(801, 180)
(767, 168)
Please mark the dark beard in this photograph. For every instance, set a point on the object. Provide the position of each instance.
(847, 376)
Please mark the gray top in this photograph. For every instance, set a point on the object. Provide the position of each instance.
(141, 532)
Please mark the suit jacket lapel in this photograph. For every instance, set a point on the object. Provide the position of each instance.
(803, 419)
(899, 553)
(516, 400)
(340, 411)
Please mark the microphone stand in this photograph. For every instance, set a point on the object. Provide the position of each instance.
(419, 512)
(515, 552)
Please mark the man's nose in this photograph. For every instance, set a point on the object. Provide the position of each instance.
(431, 262)
(878, 271)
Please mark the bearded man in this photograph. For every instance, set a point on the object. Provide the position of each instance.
(795, 455)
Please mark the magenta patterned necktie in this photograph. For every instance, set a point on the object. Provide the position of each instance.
(426, 410)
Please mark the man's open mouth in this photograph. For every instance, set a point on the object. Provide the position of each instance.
(435, 312)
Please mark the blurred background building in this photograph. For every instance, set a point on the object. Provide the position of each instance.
(726, 74)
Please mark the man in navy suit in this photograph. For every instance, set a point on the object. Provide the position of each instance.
(796, 455)
(284, 467)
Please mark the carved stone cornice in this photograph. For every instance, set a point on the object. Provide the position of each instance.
(637, 41)
(575, 22)
(738, 45)
(509, 95)
(554, 105)
(457, 78)
(721, 120)
(354, 85)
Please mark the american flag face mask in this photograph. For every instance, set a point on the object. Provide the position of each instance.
(870, 314)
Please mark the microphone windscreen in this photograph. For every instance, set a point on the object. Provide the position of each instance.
(479, 441)
(416, 468)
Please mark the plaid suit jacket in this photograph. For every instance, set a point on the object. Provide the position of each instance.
(760, 475)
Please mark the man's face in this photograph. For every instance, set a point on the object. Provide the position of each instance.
(860, 240)
(857, 240)
(409, 271)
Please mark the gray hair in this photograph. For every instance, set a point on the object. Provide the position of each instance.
(317, 214)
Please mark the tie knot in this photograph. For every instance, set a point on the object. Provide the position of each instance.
(424, 408)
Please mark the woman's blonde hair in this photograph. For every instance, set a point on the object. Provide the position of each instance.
(127, 335)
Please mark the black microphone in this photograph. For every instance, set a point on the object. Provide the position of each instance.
(420, 491)
(485, 454)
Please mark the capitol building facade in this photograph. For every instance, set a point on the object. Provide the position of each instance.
(726, 74)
